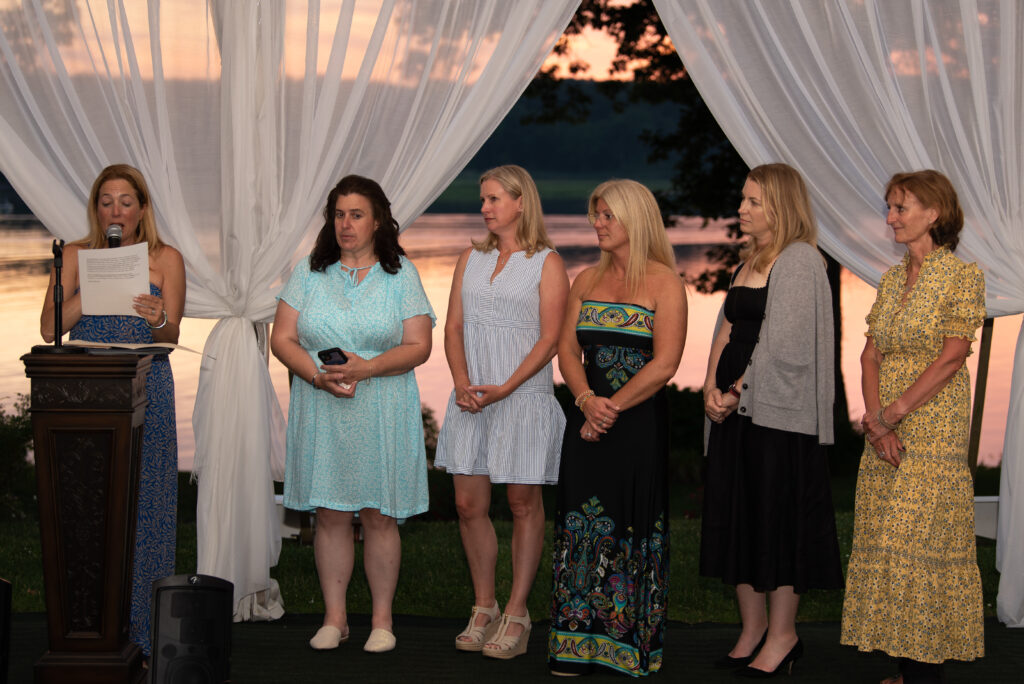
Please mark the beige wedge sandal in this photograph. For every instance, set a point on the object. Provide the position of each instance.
(503, 645)
(475, 636)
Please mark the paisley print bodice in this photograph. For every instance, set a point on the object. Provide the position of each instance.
(617, 341)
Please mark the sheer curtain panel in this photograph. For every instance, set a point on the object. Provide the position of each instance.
(242, 115)
(850, 92)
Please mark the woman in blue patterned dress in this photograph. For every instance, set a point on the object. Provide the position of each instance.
(355, 432)
(503, 423)
(621, 342)
(120, 197)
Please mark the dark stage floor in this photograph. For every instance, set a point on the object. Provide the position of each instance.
(278, 652)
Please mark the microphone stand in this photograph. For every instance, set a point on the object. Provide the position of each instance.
(58, 308)
(58, 295)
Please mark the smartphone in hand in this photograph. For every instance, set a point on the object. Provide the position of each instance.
(332, 357)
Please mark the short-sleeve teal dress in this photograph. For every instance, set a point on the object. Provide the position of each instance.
(367, 451)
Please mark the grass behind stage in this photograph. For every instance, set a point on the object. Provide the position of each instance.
(434, 579)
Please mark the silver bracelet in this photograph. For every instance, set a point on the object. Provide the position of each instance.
(886, 424)
(157, 327)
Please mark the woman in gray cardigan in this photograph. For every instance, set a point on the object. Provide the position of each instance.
(768, 525)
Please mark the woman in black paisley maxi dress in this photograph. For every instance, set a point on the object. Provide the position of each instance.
(621, 343)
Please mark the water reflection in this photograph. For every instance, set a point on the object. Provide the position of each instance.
(433, 243)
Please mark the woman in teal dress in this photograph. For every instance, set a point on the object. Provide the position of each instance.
(621, 342)
(355, 435)
(120, 197)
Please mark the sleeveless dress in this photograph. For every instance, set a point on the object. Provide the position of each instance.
(767, 517)
(518, 439)
(156, 524)
(611, 541)
(366, 451)
(913, 588)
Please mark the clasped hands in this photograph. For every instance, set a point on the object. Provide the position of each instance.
(601, 414)
(341, 380)
(884, 441)
(473, 398)
(718, 406)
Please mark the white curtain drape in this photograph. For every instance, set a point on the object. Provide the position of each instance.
(241, 116)
(850, 92)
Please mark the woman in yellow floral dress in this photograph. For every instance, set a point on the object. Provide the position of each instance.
(913, 589)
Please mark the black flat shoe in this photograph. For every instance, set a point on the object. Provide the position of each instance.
(786, 665)
(727, 662)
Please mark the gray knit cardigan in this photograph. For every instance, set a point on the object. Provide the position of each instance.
(790, 378)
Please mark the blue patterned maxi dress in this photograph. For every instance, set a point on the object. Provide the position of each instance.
(611, 519)
(156, 523)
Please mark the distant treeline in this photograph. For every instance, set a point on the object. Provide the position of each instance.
(567, 160)
(10, 202)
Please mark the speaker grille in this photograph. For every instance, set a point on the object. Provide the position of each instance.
(192, 630)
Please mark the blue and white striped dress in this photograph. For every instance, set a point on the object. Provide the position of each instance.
(518, 439)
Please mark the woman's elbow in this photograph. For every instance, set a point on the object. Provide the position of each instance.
(663, 371)
(549, 347)
(422, 353)
(277, 345)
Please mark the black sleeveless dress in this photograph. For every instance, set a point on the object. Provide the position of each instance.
(611, 541)
(767, 519)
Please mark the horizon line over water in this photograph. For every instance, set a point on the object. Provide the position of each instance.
(433, 243)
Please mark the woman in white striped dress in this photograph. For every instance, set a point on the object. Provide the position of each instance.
(503, 423)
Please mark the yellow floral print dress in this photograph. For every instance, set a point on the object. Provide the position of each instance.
(913, 589)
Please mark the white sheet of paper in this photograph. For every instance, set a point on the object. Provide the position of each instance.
(110, 278)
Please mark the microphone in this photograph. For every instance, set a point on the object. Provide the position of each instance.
(113, 235)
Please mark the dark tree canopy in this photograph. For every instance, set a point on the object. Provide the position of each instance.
(706, 170)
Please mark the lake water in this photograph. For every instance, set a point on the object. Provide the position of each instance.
(433, 243)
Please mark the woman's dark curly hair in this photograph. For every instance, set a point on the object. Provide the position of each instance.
(385, 238)
(934, 191)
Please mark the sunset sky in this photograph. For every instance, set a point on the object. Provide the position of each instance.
(189, 48)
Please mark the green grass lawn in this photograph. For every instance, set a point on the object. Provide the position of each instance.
(434, 580)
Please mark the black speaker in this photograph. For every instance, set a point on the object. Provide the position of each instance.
(5, 629)
(191, 630)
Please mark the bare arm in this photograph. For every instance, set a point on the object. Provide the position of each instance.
(284, 342)
(71, 310)
(172, 300)
(570, 356)
(884, 441)
(554, 291)
(412, 351)
(714, 403)
(454, 342)
(935, 377)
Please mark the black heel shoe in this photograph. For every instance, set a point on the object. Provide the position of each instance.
(728, 662)
(786, 665)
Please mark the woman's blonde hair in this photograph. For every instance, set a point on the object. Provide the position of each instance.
(530, 231)
(787, 207)
(637, 212)
(97, 237)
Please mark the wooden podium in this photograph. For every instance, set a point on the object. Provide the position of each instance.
(87, 414)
